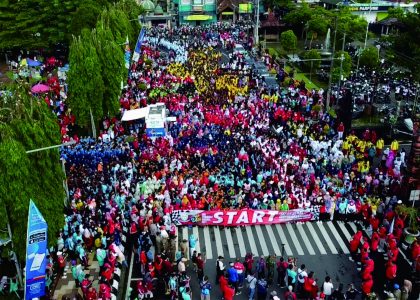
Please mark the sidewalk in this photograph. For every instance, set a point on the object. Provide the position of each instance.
(66, 285)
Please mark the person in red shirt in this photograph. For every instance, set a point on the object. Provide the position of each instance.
(91, 294)
(340, 131)
(367, 286)
(228, 292)
(390, 273)
(374, 243)
(223, 282)
(415, 253)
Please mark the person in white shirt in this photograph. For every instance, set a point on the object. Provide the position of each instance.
(301, 274)
(327, 287)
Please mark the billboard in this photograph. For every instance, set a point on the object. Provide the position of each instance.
(245, 8)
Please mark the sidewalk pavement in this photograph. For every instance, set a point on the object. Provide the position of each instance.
(66, 285)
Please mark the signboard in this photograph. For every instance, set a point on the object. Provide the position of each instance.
(36, 251)
(245, 8)
(239, 217)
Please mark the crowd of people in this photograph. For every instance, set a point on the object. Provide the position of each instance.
(236, 143)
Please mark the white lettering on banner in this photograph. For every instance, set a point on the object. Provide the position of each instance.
(272, 214)
(219, 217)
(230, 215)
(258, 216)
(243, 218)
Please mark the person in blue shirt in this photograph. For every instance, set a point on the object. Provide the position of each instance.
(233, 277)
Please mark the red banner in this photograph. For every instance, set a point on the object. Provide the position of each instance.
(239, 217)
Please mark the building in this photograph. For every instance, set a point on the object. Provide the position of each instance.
(156, 15)
(374, 11)
(196, 12)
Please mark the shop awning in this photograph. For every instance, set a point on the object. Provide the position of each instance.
(227, 13)
(198, 18)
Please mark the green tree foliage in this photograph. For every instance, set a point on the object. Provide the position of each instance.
(33, 24)
(133, 11)
(346, 65)
(312, 54)
(316, 21)
(406, 44)
(278, 4)
(85, 16)
(27, 124)
(85, 83)
(113, 71)
(369, 57)
(288, 40)
(119, 24)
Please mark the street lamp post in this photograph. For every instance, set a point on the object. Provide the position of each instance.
(257, 22)
(367, 25)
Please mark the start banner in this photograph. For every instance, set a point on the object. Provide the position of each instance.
(239, 217)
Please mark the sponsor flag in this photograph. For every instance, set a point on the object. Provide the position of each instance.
(36, 252)
(140, 40)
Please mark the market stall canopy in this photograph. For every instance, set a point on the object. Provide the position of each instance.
(40, 88)
(33, 63)
(135, 114)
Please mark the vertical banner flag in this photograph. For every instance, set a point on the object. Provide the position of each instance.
(140, 40)
(127, 54)
(36, 251)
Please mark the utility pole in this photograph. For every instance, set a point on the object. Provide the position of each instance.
(342, 59)
(257, 22)
(332, 66)
(367, 25)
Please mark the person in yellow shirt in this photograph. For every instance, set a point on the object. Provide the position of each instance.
(379, 146)
(394, 146)
(346, 147)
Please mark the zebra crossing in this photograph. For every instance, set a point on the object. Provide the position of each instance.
(310, 238)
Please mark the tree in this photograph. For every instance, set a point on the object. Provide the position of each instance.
(288, 40)
(133, 11)
(85, 16)
(85, 83)
(312, 65)
(113, 71)
(344, 68)
(369, 57)
(27, 124)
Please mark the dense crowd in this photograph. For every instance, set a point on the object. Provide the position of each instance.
(236, 143)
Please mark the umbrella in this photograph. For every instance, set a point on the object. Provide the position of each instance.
(33, 63)
(40, 88)
(23, 62)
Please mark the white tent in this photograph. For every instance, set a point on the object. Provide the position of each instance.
(135, 114)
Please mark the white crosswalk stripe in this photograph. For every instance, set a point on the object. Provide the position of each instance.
(315, 237)
(322, 238)
(251, 240)
(231, 248)
(284, 240)
(327, 238)
(305, 239)
(242, 249)
(294, 239)
(197, 245)
(261, 240)
(219, 245)
(340, 241)
(273, 240)
(207, 241)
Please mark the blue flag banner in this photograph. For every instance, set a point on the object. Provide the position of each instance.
(36, 252)
(140, 40)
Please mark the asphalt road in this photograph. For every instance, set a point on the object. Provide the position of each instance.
(322, 247)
